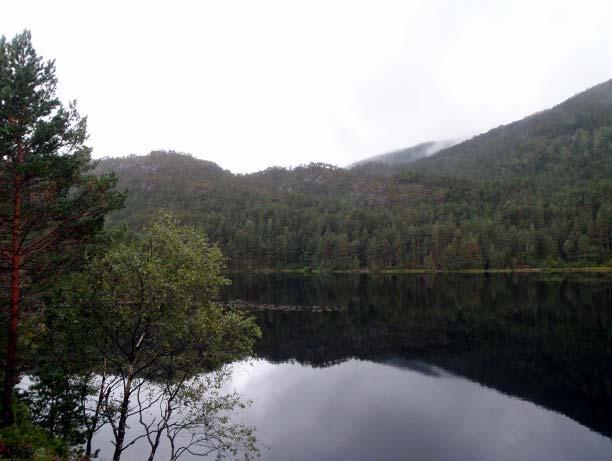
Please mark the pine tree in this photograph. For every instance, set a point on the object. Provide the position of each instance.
(49, 201)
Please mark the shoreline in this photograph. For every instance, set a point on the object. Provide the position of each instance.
(530, 270)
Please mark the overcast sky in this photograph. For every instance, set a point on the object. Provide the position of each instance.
(251, 84)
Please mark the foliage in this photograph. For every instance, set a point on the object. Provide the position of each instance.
(133, 332)
(51, 203)
(147, 304)
(24, 440)
(157, 288)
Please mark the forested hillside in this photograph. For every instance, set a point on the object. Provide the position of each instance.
(535, 193)
(571, 139)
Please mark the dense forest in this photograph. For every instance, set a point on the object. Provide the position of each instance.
(535, 193)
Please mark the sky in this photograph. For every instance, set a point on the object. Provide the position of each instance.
(252, 84)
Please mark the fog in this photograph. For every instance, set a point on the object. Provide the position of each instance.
(254, 84)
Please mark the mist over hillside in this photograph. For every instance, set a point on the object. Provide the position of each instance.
(407, 155)
(534, 193)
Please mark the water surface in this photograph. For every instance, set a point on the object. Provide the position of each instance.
(431, 367)
(426, 367)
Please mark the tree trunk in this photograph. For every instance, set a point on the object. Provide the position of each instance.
(10, 372)
(96, 416)
(121, 427)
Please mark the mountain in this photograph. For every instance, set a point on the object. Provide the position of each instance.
(534, 193)
(403, 156)
(574, 135)
(197, 189)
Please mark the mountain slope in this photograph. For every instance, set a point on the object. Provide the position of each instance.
(576, 134)
(193, 188)
(404, 156)
(320, 216)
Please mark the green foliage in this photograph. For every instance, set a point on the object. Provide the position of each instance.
(152, 294)
(44, 163)
(138, 319)
(24, 440)
(147, 305)
(51, 203)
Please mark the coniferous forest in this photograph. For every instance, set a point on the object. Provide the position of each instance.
(536, 193)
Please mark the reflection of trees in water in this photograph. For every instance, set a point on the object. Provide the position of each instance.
(544, 338)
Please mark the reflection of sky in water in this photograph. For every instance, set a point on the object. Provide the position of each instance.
(365, 410)
(361, 410)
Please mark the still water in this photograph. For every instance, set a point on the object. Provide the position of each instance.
(428, 367)
(431, 367)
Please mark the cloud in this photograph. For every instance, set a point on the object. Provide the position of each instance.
(253, 84)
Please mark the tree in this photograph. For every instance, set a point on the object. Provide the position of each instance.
(50, 203)
(148, 302)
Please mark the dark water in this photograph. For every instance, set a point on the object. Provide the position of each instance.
(431, 367)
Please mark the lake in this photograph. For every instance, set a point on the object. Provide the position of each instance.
(429, 367)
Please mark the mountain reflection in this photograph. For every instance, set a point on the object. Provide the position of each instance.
(543, 338)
